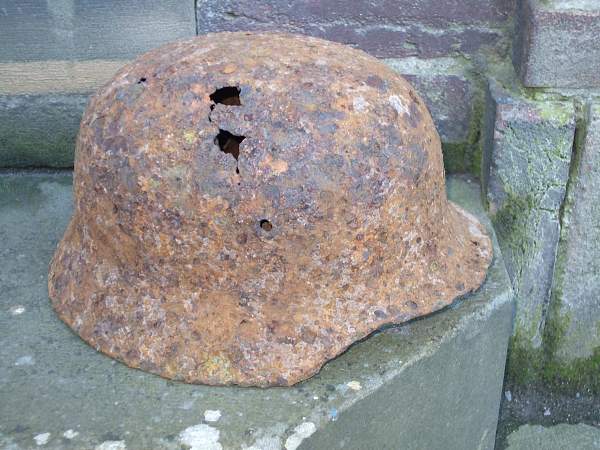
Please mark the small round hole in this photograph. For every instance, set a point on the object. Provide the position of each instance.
(266, 225)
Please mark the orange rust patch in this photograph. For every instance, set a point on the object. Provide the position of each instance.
(188, 258)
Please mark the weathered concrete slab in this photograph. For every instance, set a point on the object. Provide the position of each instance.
(576, 289)
(527, 153)
(557, 43)
(434, 383)
(557, 437)
(424, 28)
(31, 30)
(39, 130)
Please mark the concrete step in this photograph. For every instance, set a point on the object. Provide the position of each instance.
(433, 383)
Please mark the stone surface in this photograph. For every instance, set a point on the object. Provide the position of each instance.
(261, 230)
(425, 28)
(577, 276)
(557, 43)
(448, 89)
(31, 30)
(557, 437)
(541, 403)
(454, 97)
(54, 54)
(39, 130)
(527, 152)
(436, 381)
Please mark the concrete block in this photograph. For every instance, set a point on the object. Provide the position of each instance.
(557, 437)
(448, 90)
(576, 289)
(39, 130)
(557, 43)
(31, 30)
(55, 53)
(450, 101)
(527, 152)
(433, 383)
(388, 29)
(454, 98)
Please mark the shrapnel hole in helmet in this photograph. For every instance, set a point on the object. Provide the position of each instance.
(227, 95)
(227, 142)
(266, 225)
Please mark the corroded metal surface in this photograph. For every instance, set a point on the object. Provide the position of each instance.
(248, 205)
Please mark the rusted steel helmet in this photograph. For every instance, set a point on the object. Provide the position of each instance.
(249, 205)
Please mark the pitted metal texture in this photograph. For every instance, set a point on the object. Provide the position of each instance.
(249, 205)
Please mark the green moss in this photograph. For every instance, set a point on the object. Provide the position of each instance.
(559, 113)
(466, 156)
(578, 374)
(454, 157)
(581, 373)
(474, 152)
(511, 216)
(511, 223)
(556, 323)
(524, 363)
(527, 365)
(542, 365)
(567, 376)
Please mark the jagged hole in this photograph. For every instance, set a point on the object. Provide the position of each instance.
(266, 225)
(227, 95)
(229, 143)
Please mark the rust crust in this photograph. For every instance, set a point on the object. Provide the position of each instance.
(249, 205)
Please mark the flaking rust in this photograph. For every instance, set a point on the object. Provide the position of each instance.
(249, 205)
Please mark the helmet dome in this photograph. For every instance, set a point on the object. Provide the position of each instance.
(249, 205)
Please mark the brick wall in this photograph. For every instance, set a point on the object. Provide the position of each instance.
(384, 28)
